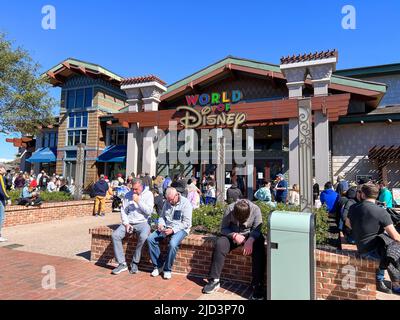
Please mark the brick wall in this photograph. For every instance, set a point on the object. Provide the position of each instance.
(195, 253)
(18, 215)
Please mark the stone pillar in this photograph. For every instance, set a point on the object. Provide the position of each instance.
(293, 151)
(80, 164)
(151, 98)
(220, 174)
(321, 134)
(305, 155)
(133, 146)
(295, 83)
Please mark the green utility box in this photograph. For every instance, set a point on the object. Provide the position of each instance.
(290, 257)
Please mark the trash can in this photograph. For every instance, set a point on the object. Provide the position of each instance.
(290, 256)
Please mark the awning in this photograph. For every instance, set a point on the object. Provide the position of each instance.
(43, 155)
(113, 153)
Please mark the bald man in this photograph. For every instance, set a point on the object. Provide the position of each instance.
(174, 223)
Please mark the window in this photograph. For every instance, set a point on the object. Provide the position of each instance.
(78, 120)
(88, 97)
(76, 136)
(118, 136)
(70, 99)
(49, 140)
(79, 98)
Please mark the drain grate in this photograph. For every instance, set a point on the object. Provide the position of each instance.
(13, 246)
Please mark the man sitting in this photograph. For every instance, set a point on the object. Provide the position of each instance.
(30, 195)
(137, 207)
(175, 222)
(241, 226)
(368, 222)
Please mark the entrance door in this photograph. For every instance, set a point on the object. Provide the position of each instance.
(266, 169)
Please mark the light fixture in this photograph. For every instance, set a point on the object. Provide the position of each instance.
(269, 135)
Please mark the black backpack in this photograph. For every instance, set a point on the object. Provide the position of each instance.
(394, 215)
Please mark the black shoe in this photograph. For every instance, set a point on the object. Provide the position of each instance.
(381, 286)
(211, 286)
(258, 293)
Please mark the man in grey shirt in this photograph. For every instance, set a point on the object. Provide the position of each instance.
(175, 222)
(241, 226)
(137, 207)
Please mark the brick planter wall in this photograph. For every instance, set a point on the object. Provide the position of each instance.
(194, 258)
(17, 215)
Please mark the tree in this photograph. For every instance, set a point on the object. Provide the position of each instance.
(24, 95)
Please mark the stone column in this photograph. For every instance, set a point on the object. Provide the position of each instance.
(80, 164)
(133, 146)
(293, 151)
(220, 174)
(321, 134)
(151, 92)
(295, 83)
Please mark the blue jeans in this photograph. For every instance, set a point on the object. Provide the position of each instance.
(154, 248)
(2, 210)
(374, 255)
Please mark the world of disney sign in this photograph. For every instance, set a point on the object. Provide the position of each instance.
(214, 110)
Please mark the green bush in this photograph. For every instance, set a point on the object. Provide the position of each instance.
(44, 195)
(207, 218)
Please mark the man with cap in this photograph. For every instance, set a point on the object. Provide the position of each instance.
(281, 189)
(30, 195)
(100, 190)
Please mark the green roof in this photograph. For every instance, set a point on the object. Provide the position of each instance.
(88, 65)
(341, 80)
(383, 69)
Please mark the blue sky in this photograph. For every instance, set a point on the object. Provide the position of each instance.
(175, 38)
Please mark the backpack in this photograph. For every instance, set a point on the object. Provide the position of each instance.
(394, 215)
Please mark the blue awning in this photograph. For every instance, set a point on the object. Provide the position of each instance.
(43, 155)
(113, 153)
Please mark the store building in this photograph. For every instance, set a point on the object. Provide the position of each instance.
(355, 112)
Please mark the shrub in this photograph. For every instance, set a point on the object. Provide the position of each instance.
(44, 195)
(207, 218)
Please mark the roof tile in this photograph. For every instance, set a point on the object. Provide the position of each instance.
(143, 79)
(309, 57)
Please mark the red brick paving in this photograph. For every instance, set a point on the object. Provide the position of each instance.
(21, 278)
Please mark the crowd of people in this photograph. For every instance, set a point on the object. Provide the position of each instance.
(362, 212)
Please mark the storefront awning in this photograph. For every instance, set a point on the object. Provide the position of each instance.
(113, 153)
(43, 155)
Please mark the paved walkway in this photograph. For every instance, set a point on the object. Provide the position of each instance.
(22, 278)
(65, 238)
(65, 245)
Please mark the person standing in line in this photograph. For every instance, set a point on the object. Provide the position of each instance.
(4, 199)
(100, 190)
(281, 189)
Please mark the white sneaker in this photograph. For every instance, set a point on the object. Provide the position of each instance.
(157, 271)
(3, 239)
(167, 275)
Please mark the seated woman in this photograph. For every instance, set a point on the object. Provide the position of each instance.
(30, 195)
(264, 194)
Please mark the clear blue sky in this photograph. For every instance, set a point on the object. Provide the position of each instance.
(175, 38)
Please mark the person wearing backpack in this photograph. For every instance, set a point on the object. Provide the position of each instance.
(344, 205)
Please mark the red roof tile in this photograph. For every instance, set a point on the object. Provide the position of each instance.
(142, 79)
(309, 57)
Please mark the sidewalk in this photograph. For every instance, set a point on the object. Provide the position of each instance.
(22, 277)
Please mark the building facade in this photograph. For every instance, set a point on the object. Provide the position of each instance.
(121, 120)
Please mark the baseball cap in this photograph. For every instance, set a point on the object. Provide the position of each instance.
(33, 184)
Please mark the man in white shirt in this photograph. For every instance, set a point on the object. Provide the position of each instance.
(137, 207)
(51, 186)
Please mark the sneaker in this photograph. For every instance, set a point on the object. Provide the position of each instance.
(2, 239)
(157, 271)
(258, 293)
(134, 268)
(102, 214)
(167, 275)
(121, 267)
(211, 286)
(381, 286)
(396, 290)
